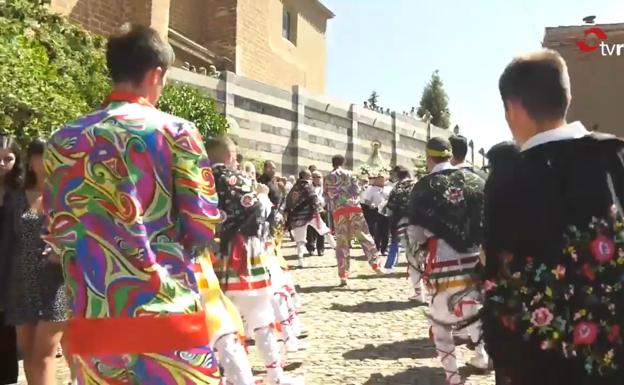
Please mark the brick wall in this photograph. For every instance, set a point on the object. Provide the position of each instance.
(100, 16)
(265, 55)
(105, 16)
(597, 84)
(187, 17)
(218, 28)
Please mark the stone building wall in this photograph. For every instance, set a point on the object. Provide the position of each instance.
(105, 16)
(248, 33)
(597, 81)
(297, 128)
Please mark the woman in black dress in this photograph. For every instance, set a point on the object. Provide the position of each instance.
(36, 302)
(10, 172)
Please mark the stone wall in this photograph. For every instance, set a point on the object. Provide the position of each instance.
(297, 128)
(597, 81)
(105, 16)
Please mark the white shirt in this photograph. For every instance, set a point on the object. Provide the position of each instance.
(319, 193)
(464, 165)
(574, 130)
(374, 196)
(441, 167)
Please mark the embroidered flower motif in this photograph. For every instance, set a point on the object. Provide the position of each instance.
(559, 271)
(546, 345)
(232, 180)
(454, 195)
(538, 297)
(580, 314)
(602, 248)
(585, 333)
(489, 285)
(537, 300)
(588, 272)
(508, 323)
(614, 333)
(248, 200)
(542, 317)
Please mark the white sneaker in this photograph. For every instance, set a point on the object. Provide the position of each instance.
(301, 263)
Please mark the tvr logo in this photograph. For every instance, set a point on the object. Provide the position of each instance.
(598, 36)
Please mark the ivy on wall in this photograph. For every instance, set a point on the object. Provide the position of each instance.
(52, 71)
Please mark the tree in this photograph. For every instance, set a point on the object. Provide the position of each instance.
(435, 100)
(373, 99)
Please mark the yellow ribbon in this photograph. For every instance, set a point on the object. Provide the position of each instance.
(439, 154)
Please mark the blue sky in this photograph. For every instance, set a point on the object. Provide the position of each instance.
(393, 46)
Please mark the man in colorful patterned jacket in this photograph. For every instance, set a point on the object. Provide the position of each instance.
(244, 271)
(128, 194)
(342, 194)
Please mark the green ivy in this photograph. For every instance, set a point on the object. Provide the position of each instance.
(189, 103)
(52, 71)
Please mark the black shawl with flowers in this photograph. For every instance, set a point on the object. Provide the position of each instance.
(449, 203)
(239, 203)
(554, 304)
(301, 204)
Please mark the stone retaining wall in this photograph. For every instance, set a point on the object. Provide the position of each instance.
(296, 129)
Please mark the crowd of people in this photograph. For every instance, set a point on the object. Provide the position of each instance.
(152, 255)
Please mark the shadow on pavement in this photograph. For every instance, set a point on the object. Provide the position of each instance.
(374, 307)
(423, 375)
(324, 289)
(397, 274)
(412, 348)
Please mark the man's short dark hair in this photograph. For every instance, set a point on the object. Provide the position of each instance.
(402, 172)
(304, 174)
(540, 82)
(136, 50)
(338, 161)
(459, 146)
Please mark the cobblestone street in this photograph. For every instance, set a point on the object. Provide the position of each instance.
(366, 334)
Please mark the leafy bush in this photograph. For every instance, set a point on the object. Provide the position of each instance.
(189, 103)
(51, 71)
(420, 166)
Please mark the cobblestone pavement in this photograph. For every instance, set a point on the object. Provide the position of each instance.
(366, 334)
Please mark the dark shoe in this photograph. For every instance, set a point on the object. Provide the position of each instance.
(321, 253)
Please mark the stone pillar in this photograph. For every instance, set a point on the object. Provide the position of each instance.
(395, 141)
(352, 136)
(298, 137)
(228, 101)
(154, 13)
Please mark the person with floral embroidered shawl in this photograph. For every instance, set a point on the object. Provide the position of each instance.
(243, 265)
(303, 210)
(445, 220)
(554, 306)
